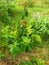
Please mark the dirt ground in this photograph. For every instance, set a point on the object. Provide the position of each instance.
(42, 53)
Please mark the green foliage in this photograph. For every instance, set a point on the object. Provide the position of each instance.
(4, 16)
(1, 55)
(26, 63)
(14, 49)
(15, 37)
(37, 61)
(33, 61)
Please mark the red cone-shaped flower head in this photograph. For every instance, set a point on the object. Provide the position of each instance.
(23, 23)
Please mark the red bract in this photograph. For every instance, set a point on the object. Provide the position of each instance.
(23, 23)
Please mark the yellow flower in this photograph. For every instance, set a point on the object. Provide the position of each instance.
(14, 32)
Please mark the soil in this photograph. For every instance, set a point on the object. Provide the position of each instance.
(38, 52)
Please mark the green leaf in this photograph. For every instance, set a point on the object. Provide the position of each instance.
(25, 39)
(37, 38)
